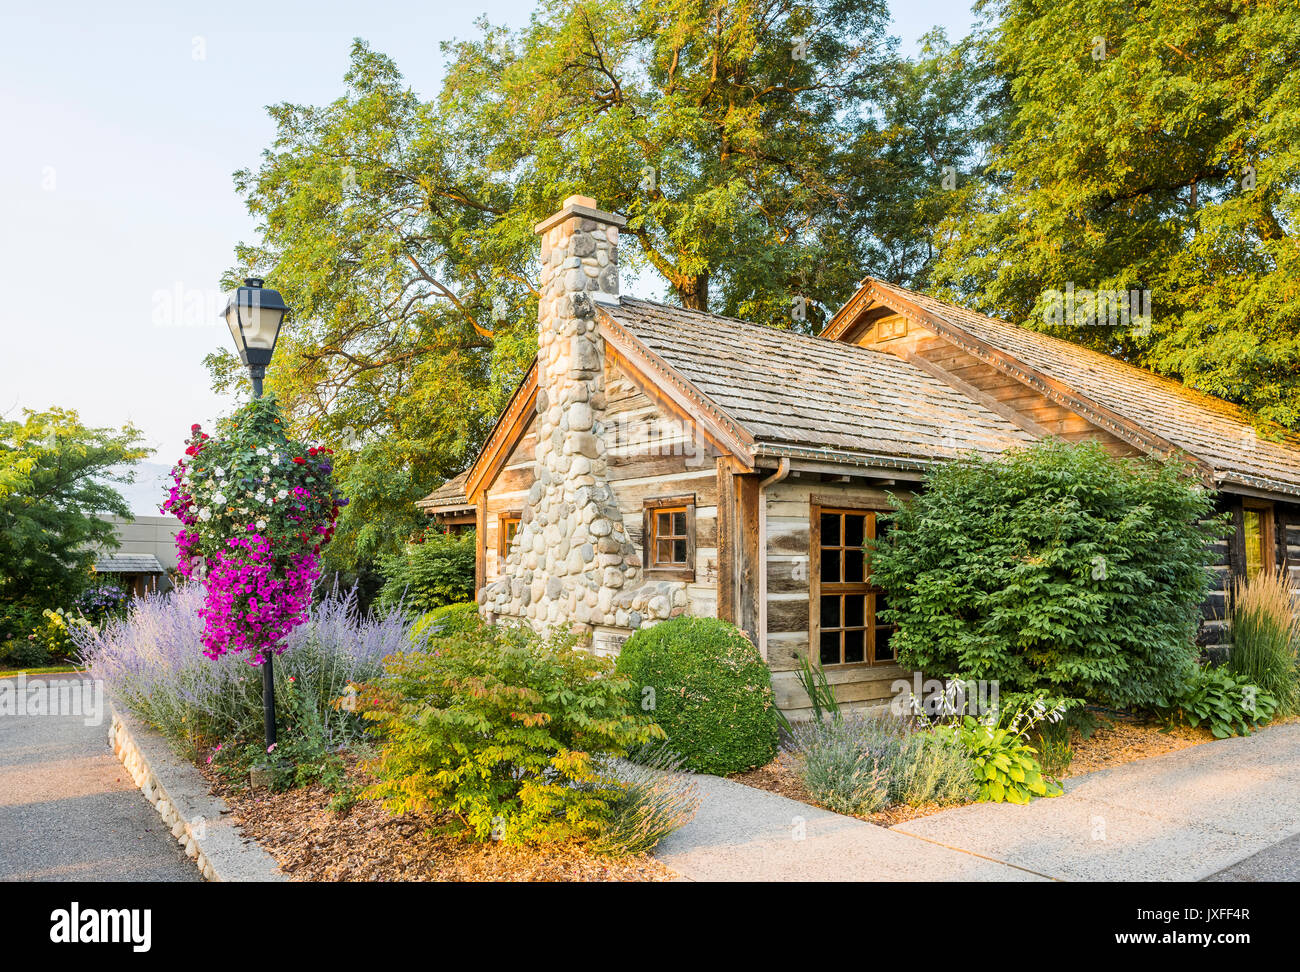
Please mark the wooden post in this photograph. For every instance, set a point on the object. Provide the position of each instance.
(738, 540)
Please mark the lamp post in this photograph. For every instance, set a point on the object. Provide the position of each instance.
(254, 315)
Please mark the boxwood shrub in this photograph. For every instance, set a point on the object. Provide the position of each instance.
(708, 689)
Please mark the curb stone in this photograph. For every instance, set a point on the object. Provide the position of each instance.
(199, 821)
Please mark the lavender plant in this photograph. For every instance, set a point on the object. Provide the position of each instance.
(152, 664)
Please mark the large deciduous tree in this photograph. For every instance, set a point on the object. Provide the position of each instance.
(56, 479)
(1152, 147)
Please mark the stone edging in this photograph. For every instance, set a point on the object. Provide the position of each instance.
(200, 822)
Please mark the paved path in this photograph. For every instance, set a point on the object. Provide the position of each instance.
(69, 811)
(745, 834)
(1227, 810)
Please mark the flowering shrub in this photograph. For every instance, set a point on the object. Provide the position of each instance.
(256, 507)
(101, 602)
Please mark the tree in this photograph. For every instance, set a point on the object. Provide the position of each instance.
(1056, 567)
(1151, 147)
(55, 483)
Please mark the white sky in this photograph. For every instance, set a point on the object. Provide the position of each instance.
(122, 124)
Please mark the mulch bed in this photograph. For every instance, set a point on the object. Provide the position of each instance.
(313, 843)
(1124, 739)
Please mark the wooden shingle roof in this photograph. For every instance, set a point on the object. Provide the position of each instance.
(447, 498)
(801, 395)
(1218, 433)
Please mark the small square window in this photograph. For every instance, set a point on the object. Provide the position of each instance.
(669, 541)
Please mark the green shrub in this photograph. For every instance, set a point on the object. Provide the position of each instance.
(511, 734)
(929, 769)
(1264, 635)
(436, 571)
(708, 689)
(448, 621)
(26, 652)
(1056, 567)
(1226, 705)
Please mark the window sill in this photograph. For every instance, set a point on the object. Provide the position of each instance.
(685, 574)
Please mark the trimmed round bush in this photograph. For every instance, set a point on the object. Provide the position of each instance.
(448, 621)
(709, 691)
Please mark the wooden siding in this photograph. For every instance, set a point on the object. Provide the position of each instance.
(789, 591)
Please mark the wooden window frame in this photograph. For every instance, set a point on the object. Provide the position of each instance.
(870, 623)
(1267, 535)
(658, 504)
(503, 544)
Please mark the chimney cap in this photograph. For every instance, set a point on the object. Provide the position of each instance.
(582, 206)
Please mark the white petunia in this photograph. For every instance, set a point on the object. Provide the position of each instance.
(283, 494)
(261, 450)
(218, 471)
(261, 524)
(205, 514)
(218, 498)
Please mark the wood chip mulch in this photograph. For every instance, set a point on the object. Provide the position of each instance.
(366, 843)
(1127, 738)
(1120, 739)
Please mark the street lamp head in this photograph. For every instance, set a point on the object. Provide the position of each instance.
(254, 314)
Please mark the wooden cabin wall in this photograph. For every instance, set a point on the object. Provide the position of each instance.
(507, 494)
(1008, 391)
(651, 454)
(788, 538)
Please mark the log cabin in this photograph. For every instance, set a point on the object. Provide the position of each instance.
(657, 461)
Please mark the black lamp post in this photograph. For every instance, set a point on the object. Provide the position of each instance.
(254, 315)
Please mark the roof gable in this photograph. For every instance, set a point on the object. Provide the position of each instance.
(1157, 413)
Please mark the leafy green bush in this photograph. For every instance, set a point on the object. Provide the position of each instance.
(1264, 635)
(510, 733)
(436, 571)
(1215, 698)
(26, 652)
(448, 621)
(929, 769)
(1004, 763)
(709, 690)
(1056, 567)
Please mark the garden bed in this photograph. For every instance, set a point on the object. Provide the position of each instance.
(1125, 739)
(366, 843)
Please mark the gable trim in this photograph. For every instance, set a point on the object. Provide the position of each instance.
(657, 379)
(1051, 388)
(504, 437)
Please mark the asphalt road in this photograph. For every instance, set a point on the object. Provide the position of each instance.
(68, 810)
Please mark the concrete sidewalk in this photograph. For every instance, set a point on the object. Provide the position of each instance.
(1184, 816)
(1226, 810)
(68, 809)
(745, 834)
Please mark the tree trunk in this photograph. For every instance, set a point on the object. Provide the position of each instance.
(693, 292)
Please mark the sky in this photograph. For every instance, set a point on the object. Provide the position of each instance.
(123, 125)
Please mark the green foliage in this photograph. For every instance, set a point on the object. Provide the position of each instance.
(1005, 765)
(56, 479)
(24, 652)
(435, 572)
(1169, 160)
(510, 733)
(709, 690)
(448, 621)
(1264, 637)
(1057, 567)
(818, 689)
(1226, 705)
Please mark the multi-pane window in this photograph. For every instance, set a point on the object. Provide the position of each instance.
(845, 603)
(669, 535)
(507, 527)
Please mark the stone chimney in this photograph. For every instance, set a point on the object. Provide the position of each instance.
(572, 563)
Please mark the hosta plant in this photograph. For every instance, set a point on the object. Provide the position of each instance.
(1228, 706)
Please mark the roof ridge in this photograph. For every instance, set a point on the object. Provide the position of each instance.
(820, 342)
(1174, 385)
